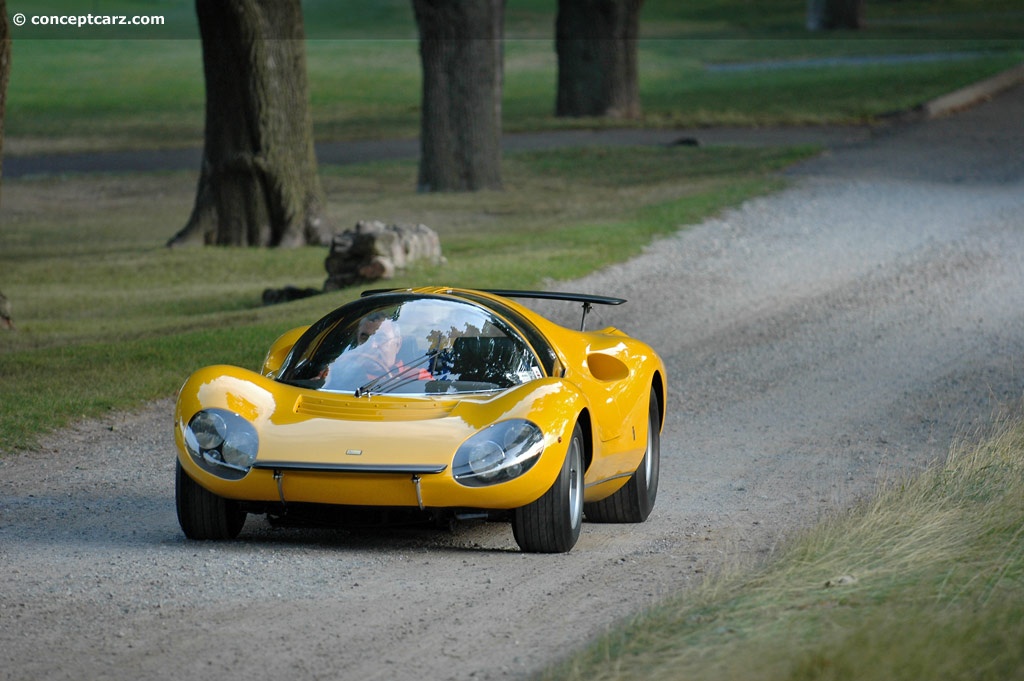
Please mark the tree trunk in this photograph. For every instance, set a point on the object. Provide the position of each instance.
(596, 42)
(5, 72)
(461, 49)
(831, 15)
(258, 185)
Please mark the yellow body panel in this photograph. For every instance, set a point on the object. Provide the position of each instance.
(379, 430)
(606, 379)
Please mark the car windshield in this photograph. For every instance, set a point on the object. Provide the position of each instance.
(410, 345)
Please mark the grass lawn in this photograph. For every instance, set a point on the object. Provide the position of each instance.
(142, 88)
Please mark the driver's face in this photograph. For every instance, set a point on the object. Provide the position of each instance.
(382, 338)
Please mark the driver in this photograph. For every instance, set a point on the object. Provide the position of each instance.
(373, 359)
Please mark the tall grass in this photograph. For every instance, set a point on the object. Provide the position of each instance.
(925, 581)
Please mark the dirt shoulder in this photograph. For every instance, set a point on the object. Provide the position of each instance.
(819, 340)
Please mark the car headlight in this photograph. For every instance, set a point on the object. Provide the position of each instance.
(222, 443)
(498, 453)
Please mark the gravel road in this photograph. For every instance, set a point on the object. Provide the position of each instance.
(819, 340)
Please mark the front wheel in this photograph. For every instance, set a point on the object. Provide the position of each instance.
(552, 523)
(635, 500)
(201, 513)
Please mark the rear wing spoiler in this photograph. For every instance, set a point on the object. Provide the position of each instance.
(587, 300)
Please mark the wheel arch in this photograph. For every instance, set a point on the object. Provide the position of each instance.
(658, 388)
(587, 426)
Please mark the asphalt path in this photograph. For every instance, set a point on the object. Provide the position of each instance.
(819, 341)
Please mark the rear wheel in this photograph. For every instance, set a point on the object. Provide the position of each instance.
(201, 513)
(552, 523)
(635, 500)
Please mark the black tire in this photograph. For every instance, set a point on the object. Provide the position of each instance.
(552, 523)
(635, 500)
(201, 513)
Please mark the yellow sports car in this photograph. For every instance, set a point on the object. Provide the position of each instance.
(447, 403)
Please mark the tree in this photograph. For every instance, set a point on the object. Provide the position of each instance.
(258, 184)
(596, 42)
(830, 15)
(461, 50)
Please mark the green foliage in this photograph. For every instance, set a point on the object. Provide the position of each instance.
(933, 589)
